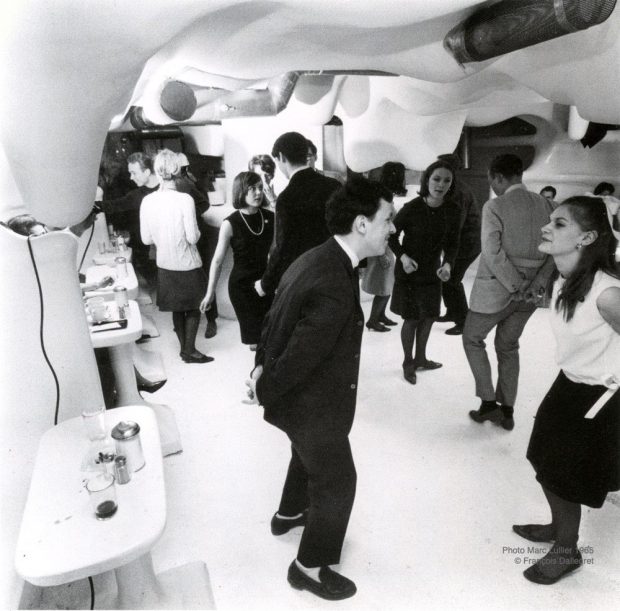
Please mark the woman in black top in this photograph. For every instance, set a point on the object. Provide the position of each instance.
(429, 227)
(249, 232)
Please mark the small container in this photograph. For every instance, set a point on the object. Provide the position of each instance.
(106, 462)
(102, 495)
(126, 435)
(121, 472)
(120, 296)
(121, 266)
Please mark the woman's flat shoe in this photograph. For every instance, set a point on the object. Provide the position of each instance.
(427, 364)
(377, 326)
(569, 564)
(409, 374)
(539, 533)
(196, 358)
(388, 321)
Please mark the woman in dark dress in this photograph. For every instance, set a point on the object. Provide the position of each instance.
(249, 232)
(429, 227)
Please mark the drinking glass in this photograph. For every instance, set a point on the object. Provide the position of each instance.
(102, 495)
(94, 423)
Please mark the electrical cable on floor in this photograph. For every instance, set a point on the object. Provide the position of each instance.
(41, 321)
(92, 592)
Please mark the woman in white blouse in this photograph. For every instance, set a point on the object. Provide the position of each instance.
(168, 220)
(574, 447)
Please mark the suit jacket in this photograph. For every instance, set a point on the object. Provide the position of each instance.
(300, 222)
(310, 345)
(510, 237)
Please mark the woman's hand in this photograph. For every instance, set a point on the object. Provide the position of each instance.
(444, 272)
(206, 303)
(409, 265)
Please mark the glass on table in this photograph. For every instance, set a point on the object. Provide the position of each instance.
(102, 493)
(94, 423)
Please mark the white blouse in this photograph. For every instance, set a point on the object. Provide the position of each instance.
(168, 220)
(587, 348)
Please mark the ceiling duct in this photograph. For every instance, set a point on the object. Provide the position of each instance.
(508, 26)
(181, 101)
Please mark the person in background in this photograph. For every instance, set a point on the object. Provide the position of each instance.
(186, 183)
(512, 276)
(575, 443)
(300, 208)
(306, 375)
(265, 167)
(249, 232)
(429, 227)
(140, 168)
(26, 225)
(453, 291)
(378, 275)
(168, 220)
(604, 188)
(549, 193)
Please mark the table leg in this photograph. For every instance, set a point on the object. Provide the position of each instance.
(138, 587)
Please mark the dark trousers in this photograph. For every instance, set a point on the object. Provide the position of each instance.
(454, 293)
(321, 477)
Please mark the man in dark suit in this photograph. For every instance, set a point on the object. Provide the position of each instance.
(306, 375)
(300, 208)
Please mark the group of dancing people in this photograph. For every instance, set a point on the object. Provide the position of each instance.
(307, 334)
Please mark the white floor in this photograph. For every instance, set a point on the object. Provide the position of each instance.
(437, 494)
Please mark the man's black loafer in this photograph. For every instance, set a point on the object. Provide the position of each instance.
(332, 585)
(279, 526)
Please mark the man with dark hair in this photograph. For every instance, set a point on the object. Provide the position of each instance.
(306, 375)
(512, 275)
(549, 194)
(140, 168)
(300, 208)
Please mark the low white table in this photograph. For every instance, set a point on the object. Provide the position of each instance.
(120, 344)
(96, 273)
(61, 541)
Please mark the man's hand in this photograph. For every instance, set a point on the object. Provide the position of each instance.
(251, 384)
(409, 265)
(258, 287)
(519, 294)
(444, 272)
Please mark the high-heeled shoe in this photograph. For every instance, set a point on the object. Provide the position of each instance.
(387, 321)
(538, 533)
(426, 364)
(377, 326)
(409, 373)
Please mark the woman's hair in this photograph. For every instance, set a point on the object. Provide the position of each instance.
(23, 224)
(166, 164)
(604, 188)
(241, 185)
(266, 163)
(426, 175)
(590, 213)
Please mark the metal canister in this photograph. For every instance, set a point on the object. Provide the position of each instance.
(121, 472)
(121, 266)
(126, 435)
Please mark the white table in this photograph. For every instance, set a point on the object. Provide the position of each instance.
(120, 345)
(96, 273)
(107, 258)
(61, 541)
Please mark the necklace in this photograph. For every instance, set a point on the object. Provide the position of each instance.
(262, 223)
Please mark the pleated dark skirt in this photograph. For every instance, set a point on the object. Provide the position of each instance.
(180, 291)
(574, 457)
(416, 300)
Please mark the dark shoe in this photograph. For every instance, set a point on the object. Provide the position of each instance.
(211, 330)
(539, 533)
(494, 414)
(427, 364)
(456, 330)
(151, 387)
(377, 326)
(388, 321)
(568, 562)
(143, 338)
(445, 318)
(507, 422)
(332, 585)
(409, 373)
(194, 358)
(279, 526)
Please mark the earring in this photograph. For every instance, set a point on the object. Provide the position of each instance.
(579, 246)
